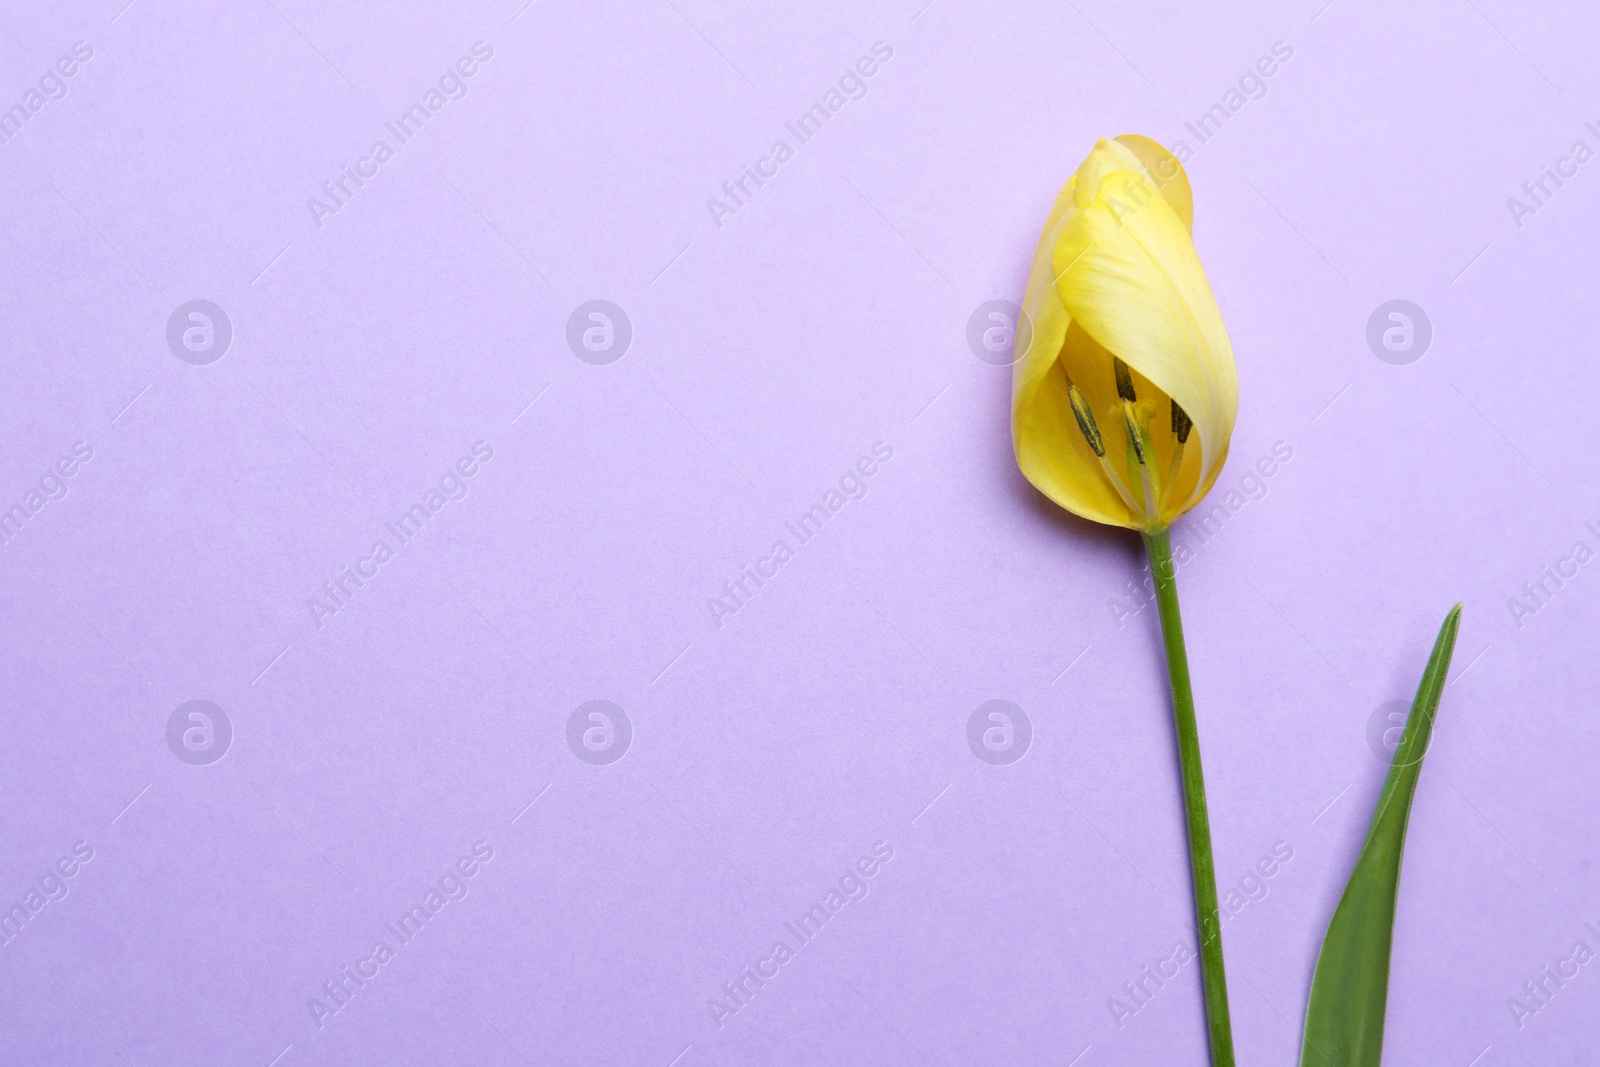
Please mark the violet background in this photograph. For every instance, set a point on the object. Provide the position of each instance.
(768, 354)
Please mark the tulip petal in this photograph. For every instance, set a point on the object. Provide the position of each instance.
(1128, 272)
(1051, 450)
(1165, 173)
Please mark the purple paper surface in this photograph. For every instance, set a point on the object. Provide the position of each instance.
(580, 347)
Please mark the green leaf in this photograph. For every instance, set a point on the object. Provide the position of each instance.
(1344, 1020)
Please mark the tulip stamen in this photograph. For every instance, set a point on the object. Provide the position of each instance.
(1182, 426)
(1181, 423)
(1139, 455)
(1139, 469)
(1124, 380)
(1175, 466)
(1116, 483)
(1085, 416)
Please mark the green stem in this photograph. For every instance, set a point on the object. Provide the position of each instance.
(1159, 547)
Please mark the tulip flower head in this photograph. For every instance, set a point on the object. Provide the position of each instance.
(1125, 396)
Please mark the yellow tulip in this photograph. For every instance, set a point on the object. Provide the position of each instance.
(1125, 396)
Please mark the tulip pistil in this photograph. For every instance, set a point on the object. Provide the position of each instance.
(1136, 432)
(1139, 465)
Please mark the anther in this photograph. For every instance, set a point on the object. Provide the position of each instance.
(1085, 417)
(1181, 423)
(1124, 380)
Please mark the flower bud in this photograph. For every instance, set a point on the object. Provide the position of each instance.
(1125, 397)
